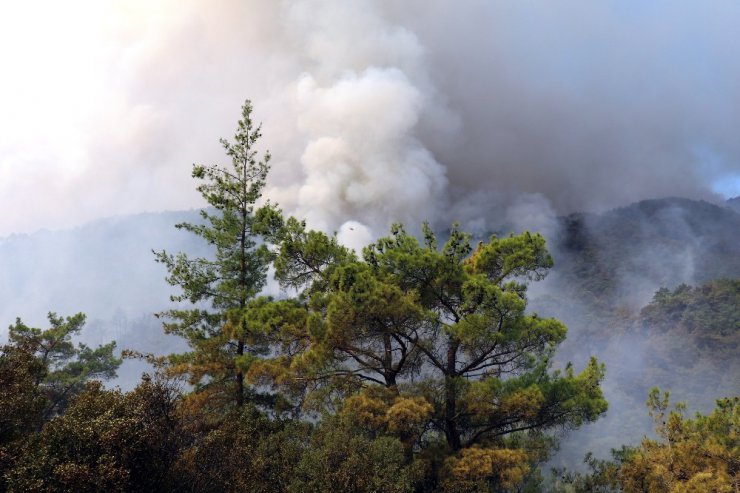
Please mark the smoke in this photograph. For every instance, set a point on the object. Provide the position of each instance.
(354, 235)
(375, 111)
(501, 115)
(590, 104)
(361, 159)
(360, 103)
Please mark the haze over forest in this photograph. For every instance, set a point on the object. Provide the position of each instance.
(607, 268)
(610, 128)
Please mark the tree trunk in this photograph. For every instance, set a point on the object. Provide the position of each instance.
(388, 373)
(451, 432)
(242, 296)
(239, 377)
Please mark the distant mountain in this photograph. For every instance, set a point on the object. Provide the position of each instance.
(602, 262)
(621, 257)
(105, 269)
(607, 267)
(734, 203)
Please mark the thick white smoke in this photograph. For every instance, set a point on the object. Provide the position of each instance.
(362, 159)
(374, 110)
(359, 105)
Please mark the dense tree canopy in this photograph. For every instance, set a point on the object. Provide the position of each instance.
(709, 313)
(699, 454)
(106, 441)
(41, 371)
(66, 366)
(407, 367)
(430, 345)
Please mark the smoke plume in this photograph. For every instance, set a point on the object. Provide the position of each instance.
(501, 115)
(375, 111)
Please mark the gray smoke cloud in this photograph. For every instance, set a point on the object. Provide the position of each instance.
(377, 111)
(590, 104)
(501, 115)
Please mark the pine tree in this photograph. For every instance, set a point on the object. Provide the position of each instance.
(432, 346)
(65, 367)
(220, 288)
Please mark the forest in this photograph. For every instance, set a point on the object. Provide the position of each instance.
(419, 364)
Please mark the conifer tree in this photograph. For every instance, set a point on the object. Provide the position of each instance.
(432, 346)
(219, 288)
(65, 367)
(41, 372)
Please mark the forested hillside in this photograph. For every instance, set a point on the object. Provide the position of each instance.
(603, 262)
(686, 340)
(418, 364)
(619, 258)
(607, 267)
(616, 284)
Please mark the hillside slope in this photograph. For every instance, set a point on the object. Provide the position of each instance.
(734, 203)
(621, 285)
(608, 267)
(621, 257)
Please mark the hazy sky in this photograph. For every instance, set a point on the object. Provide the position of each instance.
(373, 111)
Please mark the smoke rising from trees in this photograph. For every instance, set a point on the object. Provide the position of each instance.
(376, 111)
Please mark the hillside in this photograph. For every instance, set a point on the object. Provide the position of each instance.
(608, 267)
(734, 203)
(623, 286)
(104, 268)
(621, 257)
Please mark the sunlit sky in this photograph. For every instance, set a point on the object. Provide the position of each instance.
(104, 105)
(63, 87)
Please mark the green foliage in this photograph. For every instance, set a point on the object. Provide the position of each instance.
(689, 455)
(601, 478)
(105, 441)
(40, 371)
(219, 335)
(693, 335)
(246, 451)
(20, 399)
(340, 459)
(444, 331)
(67, 367)
(21, 403)
(700, 454)
(710, 313)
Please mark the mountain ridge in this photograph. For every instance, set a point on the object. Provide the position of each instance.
(607, 267)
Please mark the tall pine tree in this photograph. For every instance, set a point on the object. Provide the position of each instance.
(433, 347)
(219, 288)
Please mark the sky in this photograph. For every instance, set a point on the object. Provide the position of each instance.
(373, 111)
